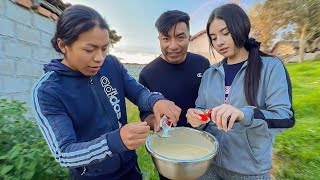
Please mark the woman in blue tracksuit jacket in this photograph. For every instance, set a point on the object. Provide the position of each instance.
(249, 94)
(79, 103)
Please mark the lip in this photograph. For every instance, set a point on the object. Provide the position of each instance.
(223, 50)
(173, 54)
(94, 68)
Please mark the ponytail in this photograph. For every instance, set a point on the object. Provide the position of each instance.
(253, 72)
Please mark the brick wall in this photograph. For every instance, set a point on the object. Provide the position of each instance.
(25, 35)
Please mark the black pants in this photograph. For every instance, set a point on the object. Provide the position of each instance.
(134, 174)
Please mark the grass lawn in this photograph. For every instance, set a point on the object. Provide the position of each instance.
(297, 150)
(145, 161)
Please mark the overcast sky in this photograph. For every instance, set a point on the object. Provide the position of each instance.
(134, 21)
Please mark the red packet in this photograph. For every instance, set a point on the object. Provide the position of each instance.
(206, 115)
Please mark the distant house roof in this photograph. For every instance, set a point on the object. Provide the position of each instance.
(48, 8)
(197, 35)
(294, 44)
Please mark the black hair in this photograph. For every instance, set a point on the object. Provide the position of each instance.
(74, 21)
(169, 19)
(239, 26)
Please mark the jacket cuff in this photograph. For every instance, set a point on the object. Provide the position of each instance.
(144, 114)
(202, 126)
(153, 98)
(248, 115)
(115, 142)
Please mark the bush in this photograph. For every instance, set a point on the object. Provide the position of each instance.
(24, 154)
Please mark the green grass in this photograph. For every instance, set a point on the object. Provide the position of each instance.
(297, 150)
(144, 159)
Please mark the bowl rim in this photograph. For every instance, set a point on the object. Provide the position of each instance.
(177, 161)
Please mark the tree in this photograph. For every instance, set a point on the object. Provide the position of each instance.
(261, 26)
(304, 14)
(114, 38)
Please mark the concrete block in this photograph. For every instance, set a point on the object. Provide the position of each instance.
(7, 66)
(7, 27)
(28, 34)
(42, 54)
(2, 54)
(16, 13)
(25, 97)
(15, 85)
(1, 84)
(2, 7)
(56, 55)
(36, 80)
(46, 39)
(17, 49)
(27, 68)
(7, 97)
(44, 24)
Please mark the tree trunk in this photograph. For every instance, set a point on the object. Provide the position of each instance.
(302, 42)
(315, 44)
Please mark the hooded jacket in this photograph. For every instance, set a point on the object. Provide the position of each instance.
(247, 147)
(80, 117)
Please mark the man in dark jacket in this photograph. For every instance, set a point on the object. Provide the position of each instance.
(176, 73)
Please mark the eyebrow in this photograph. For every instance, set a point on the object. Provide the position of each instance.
(183, 33)
(93, 45)
(220, 30)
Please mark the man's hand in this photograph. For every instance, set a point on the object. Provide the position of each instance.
(151, 120)
(193, 117)
(168, 108)
(134, 135)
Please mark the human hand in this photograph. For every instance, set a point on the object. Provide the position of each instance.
(151, 120)
(168, 108)
(225, 115)
(133, 135)
(194, 117)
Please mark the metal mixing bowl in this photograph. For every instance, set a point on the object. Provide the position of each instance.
(177, 168)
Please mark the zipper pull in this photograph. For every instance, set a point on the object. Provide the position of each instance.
(84, 171)
(91, 80)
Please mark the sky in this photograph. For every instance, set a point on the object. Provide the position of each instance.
(134, 20)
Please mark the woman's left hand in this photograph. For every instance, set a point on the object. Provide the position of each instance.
(225, 115)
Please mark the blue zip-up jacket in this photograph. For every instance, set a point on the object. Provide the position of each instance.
(247, 147)
(80, 117)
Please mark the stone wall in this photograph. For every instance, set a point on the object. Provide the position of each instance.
(24, 47)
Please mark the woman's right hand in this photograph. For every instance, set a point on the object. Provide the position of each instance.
(134, 135)
(193, 117)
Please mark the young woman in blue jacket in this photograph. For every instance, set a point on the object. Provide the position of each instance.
(79, 103)
(249, 96)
